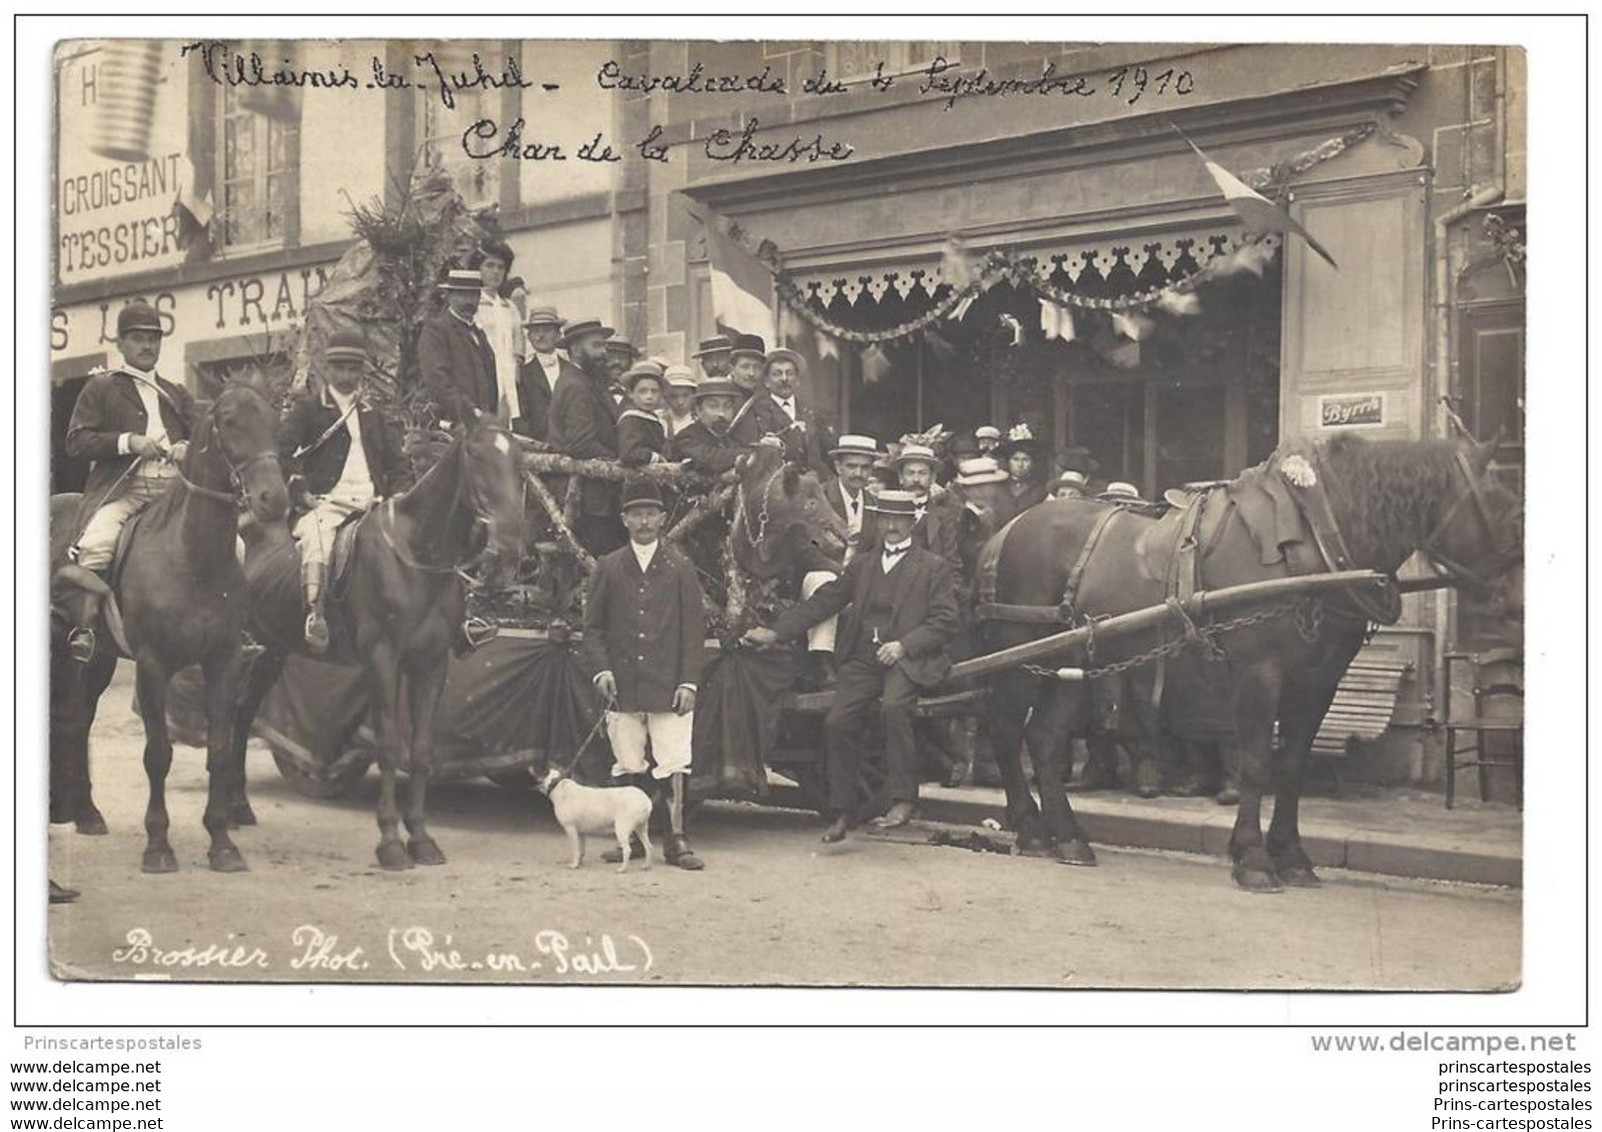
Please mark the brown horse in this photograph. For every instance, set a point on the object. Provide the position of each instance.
(183, 601)
(401, 615)
(1388, 498)
(783, 522)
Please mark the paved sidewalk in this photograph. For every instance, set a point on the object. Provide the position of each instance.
(1395, 831)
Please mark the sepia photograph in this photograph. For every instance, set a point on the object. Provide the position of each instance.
(777, 513)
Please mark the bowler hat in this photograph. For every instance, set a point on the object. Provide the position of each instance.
(462, 279)
(346, 343)
(138, 315)
(893, 502)
(718, 344)
(750, 345)
(623, 346)
(543, 316)
(641, 493)
(855, 444)
(573, 331)
(718, 387)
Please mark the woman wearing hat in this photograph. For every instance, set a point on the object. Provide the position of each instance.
(1021, 455)
(454, 357)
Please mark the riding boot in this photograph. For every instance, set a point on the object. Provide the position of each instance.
(312, 578)
(678, 850)
(80, 642)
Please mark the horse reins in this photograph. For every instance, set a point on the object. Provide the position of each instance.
(1474, 495)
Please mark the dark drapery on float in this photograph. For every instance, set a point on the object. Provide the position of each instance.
(737, 720)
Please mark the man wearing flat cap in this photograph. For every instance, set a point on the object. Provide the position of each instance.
(782, 409)
(540, 373)
(644, 636)
(582, 423)
(341, 457)
(899, 606)
(135, 426)
(453, 355)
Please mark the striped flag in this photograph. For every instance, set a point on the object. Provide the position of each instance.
(1256, 211)
(742, 288)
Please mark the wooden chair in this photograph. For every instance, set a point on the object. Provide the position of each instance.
(1498, 709)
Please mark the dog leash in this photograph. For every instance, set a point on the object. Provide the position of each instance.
(600, 721)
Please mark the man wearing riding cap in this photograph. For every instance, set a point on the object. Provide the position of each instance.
(453, 355)
(900, 614)
(135, 426)
(707, 443)
(644, 635)
(781, 409)
(502, 324)
(582, 424)
(540, 372)
(341, 457)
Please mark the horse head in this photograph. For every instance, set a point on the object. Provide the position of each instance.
(1479, 533)
(785, 508)
(493, 482)
(236, 442)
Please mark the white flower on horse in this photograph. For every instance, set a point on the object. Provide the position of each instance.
(1297, 471)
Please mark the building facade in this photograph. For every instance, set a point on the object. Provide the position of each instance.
(857, 162)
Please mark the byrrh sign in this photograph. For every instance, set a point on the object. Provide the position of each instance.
(114, 207)
(1351, 410)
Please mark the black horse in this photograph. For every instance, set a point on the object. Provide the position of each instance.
(1389, 499)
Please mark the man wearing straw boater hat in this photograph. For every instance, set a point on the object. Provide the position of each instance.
(935, 528)
(848, 494)
(644, 635)
(134, 425)
(341, 457)
(679, 412)
(713, 355)
(453, 355)
(900, 614)
(540, 373)
(783, 409)
(583, 425)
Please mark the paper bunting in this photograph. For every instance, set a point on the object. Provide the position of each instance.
(1055, 321)
(1015, 326)
(1179, 303)
(875, 364)
(1133, 325)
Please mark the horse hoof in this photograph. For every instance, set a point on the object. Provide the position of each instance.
(1227, 797)
(228, 860)
(1075, 852)
(159, 861)
(1299, 876)
(423, 851)
(393, 855)
(1256, 880)
(92, 825)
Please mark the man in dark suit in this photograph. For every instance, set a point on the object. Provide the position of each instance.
(135, 426)
(540, 373)
(706, 443)
(454, 356)
(644, 635)
(582, 423)
(892, 642)
(782, 409)
(936, 526)
(342, 457)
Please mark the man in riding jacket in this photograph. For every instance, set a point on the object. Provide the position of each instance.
(644, 634)
(342, 456)
(135, 426)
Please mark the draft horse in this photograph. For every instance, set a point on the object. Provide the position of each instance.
(1388, 499)
(399, 612)
(182, 599)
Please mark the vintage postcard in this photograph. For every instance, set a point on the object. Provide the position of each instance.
(787, 513)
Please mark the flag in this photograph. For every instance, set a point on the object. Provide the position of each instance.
(876, 364)
(1055, 321)
(1256, 211)
(192, 208)
(1133, 325)
(791, 326)
(742, 288)
(825, 346)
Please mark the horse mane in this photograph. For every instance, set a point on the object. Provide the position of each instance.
(1390, 493)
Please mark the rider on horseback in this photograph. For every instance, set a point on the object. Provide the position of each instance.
(345, 457)
(135, 426)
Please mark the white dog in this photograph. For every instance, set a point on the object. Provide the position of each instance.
(581, 810)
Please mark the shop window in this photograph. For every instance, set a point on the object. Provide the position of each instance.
(258, 173)
(858, 61)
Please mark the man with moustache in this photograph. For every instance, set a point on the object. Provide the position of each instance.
(713, 356)
(706, 443)
(781, 409)
(747, 357)
(540, 373)
(848, 494)
(453, 355)
(935, 526)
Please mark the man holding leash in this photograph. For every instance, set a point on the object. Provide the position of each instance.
(893, 638)
(644, 634)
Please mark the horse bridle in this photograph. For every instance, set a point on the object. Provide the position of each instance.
(762, 516)
(475, 504)
(1474, 495)
(236, 472)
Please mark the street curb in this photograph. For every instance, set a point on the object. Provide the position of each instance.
(1114, 821)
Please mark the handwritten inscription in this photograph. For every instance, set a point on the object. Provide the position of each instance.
(314, 950)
